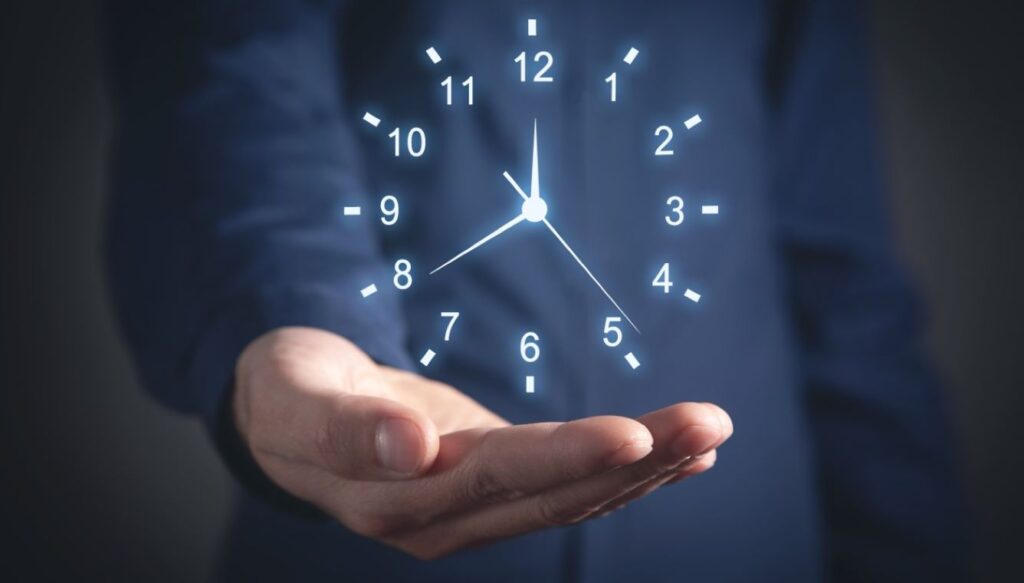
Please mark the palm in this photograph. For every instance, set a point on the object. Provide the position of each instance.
(447, 473)
(449, 409)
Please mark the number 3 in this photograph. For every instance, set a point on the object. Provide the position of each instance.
(676, 202)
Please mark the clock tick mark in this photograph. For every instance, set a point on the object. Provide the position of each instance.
(631, 359)
(428, 357)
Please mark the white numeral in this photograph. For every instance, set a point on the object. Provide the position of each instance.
(448, 331)
(389, 210)
(676, 202)
(530, 347)
(403, 274)
(610, 330)
(415, 141)
(662, 149)
(468, 84)
(662, 279)
(540, 76)
(611, 80)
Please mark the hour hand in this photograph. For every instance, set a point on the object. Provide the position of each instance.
(515, 185)
(520, 218)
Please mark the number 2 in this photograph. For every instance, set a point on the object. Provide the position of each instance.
(662, 149)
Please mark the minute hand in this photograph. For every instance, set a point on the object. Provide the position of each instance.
(535, 171)
(594, 279)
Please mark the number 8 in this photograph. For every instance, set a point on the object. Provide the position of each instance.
(403, 272)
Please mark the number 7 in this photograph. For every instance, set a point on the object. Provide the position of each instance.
(448, 331)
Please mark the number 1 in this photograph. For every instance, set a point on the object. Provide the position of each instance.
(611, 80)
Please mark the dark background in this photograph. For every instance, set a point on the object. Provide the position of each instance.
(99, 481)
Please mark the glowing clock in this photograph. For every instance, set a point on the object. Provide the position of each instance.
(618, 330)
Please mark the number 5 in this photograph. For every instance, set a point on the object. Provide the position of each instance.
(613, 330)
(448, 331)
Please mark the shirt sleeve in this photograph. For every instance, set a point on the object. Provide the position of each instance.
(892, 504)
(233, 161)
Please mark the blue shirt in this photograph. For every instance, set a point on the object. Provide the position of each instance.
(240, 141)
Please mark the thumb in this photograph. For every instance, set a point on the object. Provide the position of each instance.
(373, 438)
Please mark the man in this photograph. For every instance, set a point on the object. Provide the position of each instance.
(238, 286)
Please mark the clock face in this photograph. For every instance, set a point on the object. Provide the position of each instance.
(519, 197)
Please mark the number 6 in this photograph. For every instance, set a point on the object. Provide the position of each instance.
(532, 347)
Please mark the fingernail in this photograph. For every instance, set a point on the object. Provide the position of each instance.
(399, 445)
(696, 440)
(628, 453)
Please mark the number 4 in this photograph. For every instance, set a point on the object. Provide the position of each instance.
(448, 331)
(662, 279)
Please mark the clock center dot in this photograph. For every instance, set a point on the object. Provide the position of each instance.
(535, 209)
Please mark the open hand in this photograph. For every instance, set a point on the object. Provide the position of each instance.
(420, 466)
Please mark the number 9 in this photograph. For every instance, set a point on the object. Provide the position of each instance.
(389, 210)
